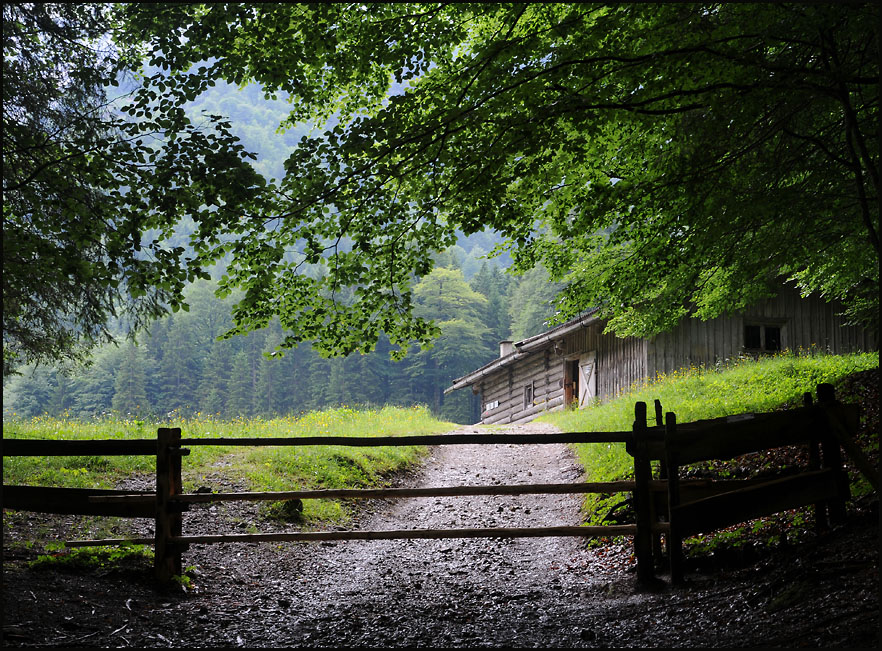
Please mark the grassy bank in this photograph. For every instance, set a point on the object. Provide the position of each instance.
(259, 469)
(697, 393)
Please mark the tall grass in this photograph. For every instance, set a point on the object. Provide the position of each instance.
(699, 393)
(254, 468)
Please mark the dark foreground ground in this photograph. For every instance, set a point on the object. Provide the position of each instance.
(823, 594)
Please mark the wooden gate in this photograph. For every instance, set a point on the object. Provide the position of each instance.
(665, 506)
(169, 503)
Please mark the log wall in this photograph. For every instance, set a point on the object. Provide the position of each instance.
(620, 362)
(542, 372)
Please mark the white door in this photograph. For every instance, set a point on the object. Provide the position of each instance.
(587, 378)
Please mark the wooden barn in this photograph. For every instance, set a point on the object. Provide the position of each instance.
(577, 363)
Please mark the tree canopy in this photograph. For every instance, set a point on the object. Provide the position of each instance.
(662, 159)
(659, 159)
(95, 180)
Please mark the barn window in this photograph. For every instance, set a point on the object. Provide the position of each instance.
(528, 395)
(762, 337)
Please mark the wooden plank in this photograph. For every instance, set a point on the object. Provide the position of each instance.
(429, 439)
(692, 490)
(77, 501)
(720, 439)
(167, 561)
(756, 501)
(109, 542)
(843, 421)
(61, 448)
(675, 535)
(642, 498)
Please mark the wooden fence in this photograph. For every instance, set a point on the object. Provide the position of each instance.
(665, 505)
(700, 506)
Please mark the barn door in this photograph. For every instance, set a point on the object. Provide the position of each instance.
(571, 382)
(587, 378)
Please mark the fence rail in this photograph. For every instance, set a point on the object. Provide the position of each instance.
(665, 505)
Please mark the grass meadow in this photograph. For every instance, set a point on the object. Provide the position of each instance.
(257, 468)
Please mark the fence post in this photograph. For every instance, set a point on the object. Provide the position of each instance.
(814, 463)
(659, 502)
(167, 556)
(658, 413)
(642, 498)
(675, 539)
(832, 455)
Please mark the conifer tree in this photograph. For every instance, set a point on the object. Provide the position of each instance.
(180, 368)
(213, 389)
(130, 394)
(240, 397)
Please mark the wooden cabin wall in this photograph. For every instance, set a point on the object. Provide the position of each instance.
(541, 371)
(620, 362)
(805, 323)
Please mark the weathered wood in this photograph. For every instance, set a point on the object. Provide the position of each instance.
(675, 535)
(413, 534)
(756, 501)
(78, 501)
(530, 412)
(814, 463)
(842, 422)
(620, 362)
(387, 493)
(167, 560)
(659, 501)
(110, 542)
(703, 440)
(61, 448)
(807, 321)
(642, 498)
(697, 489)
(429, 439)
(830, 449)
(499, 416)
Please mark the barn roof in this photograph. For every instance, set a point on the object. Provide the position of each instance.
(525, 348)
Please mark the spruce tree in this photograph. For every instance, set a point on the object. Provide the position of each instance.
(240, 396)
(180, 368)
(130, 394)
(213, 389)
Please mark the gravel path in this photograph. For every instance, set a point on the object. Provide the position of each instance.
(527, 592)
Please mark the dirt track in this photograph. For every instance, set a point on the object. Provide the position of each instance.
(536, 592)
